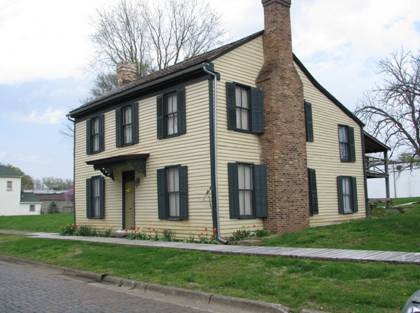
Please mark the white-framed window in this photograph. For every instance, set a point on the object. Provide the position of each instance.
(245, 190)
(32, 208)
(172, 174)
(243, 109)
(127, 124)
(9, 185)
(171, 113)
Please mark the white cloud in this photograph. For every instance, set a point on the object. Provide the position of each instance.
(46, 117)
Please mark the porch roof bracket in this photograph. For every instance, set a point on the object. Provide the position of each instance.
(136, 162)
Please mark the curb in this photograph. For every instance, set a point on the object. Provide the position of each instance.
(205, 300)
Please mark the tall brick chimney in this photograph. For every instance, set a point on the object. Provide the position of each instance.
(126, 73)
(284, 140)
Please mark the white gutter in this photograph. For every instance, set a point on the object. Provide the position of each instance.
(219, 238)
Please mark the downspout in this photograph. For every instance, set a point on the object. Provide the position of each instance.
(213, 153)
(74, 167)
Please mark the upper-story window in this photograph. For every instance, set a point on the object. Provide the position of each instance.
(9, 185)
(127, 125)
(171, 114)
(346, 143)
(245, 108)
(95, 134)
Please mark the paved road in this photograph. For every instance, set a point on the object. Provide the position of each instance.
(32, 289)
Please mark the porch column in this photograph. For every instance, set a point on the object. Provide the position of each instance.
(386, 161)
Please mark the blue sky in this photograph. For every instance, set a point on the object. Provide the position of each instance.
(44, 67)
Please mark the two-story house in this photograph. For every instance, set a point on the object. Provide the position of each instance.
(241, 136)
(13, 201)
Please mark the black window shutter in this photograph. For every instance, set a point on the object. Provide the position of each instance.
(160, 112)
(162, 197)
(183, 192)
(231, 105)
(89, 136)
(102, 196)
(354, 194)
(340, 194)
(88, 198)
(135, 111)
(260, 190)
(118, 127)
(313, 193)
(352, 145)
(233, 190)
(309, 122)
(257, 111)
(101, 132)
(182, 117)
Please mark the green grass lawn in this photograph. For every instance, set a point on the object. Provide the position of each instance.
(387, 229)
(37, 223)
(331, 286)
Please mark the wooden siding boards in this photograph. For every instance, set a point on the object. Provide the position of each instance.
(240, 65)
(191, 149)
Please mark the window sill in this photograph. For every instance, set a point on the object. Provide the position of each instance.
(95, 152)
(172, 136)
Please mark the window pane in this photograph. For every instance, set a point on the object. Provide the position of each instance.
(248, 177)
(239, 118)
(95, 126)
(96, 143)
(245, 99)
(173, 179)
(238, 96)
(173, 205)
(128, 134)
(241, 177)
(127, 115)
(241, 203)
(343, 134)
(245, 119)
(248, 202)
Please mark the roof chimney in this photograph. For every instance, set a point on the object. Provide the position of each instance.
(284, 141)
(126, 73)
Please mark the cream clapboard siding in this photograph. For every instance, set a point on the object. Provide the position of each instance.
(242, 65)
(191, 149)
(323, 156)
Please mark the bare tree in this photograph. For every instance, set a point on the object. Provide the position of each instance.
(392, 111)
(153, 36)
(181, 30)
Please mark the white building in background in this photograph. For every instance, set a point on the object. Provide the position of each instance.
(12, 200)
(405, 184)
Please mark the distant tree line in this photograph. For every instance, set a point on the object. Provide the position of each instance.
(51, 183)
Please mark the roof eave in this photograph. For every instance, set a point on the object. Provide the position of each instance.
(135, 91)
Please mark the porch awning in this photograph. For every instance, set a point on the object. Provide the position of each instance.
(136, 162)
(373, 145)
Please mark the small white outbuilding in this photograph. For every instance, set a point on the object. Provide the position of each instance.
(12, 200)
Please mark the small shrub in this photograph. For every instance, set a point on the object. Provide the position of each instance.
(262, 233)
(53, 208)
(240, 234)
(139, 236)
(68, 230)
(168, 235)
(105, 233)
(84, 230)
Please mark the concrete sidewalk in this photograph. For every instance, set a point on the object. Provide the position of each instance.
(306, 253)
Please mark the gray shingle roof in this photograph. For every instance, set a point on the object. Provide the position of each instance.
(28, 197)
(7, 172)
(202, 58)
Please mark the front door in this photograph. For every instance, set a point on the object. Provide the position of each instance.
(128, 200)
